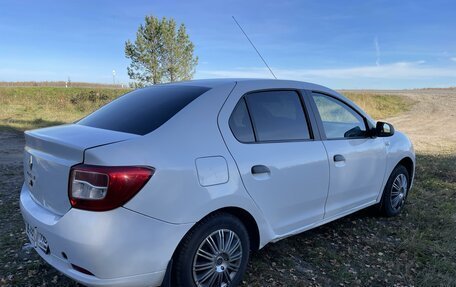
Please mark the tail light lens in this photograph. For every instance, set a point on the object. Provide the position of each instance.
(101, 188)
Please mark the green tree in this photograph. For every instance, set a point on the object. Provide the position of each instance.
(160, 53)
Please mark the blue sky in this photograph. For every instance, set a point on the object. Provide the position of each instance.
(341, 44)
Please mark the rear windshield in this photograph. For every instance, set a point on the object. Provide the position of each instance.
(142, 111)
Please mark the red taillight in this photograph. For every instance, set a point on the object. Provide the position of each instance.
(101, 188)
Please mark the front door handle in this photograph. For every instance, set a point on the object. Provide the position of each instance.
(339, 157)
(258, 169)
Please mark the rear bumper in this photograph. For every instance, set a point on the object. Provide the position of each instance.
(119, 247)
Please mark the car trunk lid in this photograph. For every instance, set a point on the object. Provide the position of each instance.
(51, 152)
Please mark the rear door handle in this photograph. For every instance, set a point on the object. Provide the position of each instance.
(258, 169)
(339, 157)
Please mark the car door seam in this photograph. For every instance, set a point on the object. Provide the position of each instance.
(329, 178)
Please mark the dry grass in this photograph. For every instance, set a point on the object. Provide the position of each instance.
(380, 106)
(59, 84)
(25, 108)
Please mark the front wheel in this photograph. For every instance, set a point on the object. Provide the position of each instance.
(395, 192)
(214, 253)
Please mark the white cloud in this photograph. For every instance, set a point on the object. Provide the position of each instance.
(394, 71)
(453, 59)
(377, 51)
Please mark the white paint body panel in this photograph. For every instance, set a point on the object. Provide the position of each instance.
(294, 193)
(201, 168)
(120, 247)
(52, 152)
(358, 180)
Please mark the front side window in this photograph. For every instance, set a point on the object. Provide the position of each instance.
(339, 120)
(277, 116)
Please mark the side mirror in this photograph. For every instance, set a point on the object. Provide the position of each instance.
(383, 129)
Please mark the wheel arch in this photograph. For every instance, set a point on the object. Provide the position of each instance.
(408, 163)
(244, 216)
(248, 220)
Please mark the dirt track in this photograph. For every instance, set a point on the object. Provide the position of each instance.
(431, 122)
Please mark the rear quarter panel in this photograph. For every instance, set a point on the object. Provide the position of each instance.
(174, 194)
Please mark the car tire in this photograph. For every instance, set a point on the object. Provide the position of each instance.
(216, 248)
(395, 192)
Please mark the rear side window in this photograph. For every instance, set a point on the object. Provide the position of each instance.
(277, 116)
(273, 115)
(240, 123)
(144, 110)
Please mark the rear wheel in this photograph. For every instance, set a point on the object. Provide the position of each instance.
(395, 192)
(214, 253)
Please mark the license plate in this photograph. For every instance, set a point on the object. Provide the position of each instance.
(31, 233)
(37, 239)
(42, 243)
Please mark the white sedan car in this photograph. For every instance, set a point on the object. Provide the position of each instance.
(176, 184)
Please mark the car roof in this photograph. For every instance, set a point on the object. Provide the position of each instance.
(217, 82)
(212, 83)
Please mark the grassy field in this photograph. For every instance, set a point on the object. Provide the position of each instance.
(380, 106)
(25, 108)
(417, 248)
(60, 84)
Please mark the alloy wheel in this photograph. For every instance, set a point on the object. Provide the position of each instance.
(217, 259)
(398, 191)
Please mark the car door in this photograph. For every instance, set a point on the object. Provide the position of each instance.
(282, 165)
(357, 160)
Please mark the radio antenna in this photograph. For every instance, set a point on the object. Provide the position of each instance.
(251, 43)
